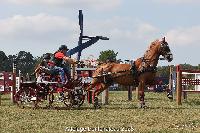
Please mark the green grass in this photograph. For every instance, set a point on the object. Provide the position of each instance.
(162, 116)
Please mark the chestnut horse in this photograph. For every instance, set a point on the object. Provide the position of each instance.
(141, 73)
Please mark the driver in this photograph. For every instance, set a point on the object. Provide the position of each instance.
(62, 63)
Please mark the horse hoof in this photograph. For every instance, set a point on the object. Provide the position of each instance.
(95, 99)
(170, 96)
(142, 106)
(96, 103)
(97, 106)
(49, 107)
(35, 108)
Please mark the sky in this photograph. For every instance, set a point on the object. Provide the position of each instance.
(41, 26)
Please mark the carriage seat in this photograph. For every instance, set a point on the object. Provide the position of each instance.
(47, 74)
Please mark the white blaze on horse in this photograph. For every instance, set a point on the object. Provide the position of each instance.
(141, 73)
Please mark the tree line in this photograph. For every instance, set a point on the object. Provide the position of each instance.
(26, 62)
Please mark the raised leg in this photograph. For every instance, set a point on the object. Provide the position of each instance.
(141, 94)
(97, 92)
(92, 85)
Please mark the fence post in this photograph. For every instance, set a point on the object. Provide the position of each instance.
(130, 88)
(137, 93)
(0, 98)
(19, 81)
(171, 80)
(105, 97)
(184, 93)
(13, 91)
(2, 75)
(179, 85)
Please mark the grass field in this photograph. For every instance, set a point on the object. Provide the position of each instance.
(161, 116)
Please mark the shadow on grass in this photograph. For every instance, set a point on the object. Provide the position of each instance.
(111, 107)
(154, 98)
(55, 108)
(193, 102)
(148, 108)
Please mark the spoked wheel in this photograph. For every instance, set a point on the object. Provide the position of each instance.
(77, 98)
(24, 98)
(66, 99)
(74, 98)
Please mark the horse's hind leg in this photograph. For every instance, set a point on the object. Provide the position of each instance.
(170, 94)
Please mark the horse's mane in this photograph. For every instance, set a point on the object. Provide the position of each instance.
(153, 44)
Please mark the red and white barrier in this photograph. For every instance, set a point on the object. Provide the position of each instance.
(187, 78)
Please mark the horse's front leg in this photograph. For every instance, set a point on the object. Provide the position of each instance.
(97, 92)
(141, 94)
(92, 85)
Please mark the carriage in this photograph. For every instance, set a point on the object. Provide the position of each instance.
(49, 88)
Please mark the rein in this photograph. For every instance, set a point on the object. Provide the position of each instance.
(133, 70)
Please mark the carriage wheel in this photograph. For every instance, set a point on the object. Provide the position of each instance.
(77, 98)
(78, 103)
(72, 101)
(18, 99)
(23, 98)
(74, 97)
(67, 99)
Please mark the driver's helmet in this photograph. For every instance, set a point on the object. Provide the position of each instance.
(47, 56)
(63, 47)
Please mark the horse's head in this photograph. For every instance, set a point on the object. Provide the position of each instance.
(165, 50)
(103, 68)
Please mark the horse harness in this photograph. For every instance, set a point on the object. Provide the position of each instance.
(108, 77)
(146, 67)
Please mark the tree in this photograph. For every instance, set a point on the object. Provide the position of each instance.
(198, 67)
(162, 71)
(108, 55)
(9, 64)
(25, 62)
(187, 67)
(3, 61)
